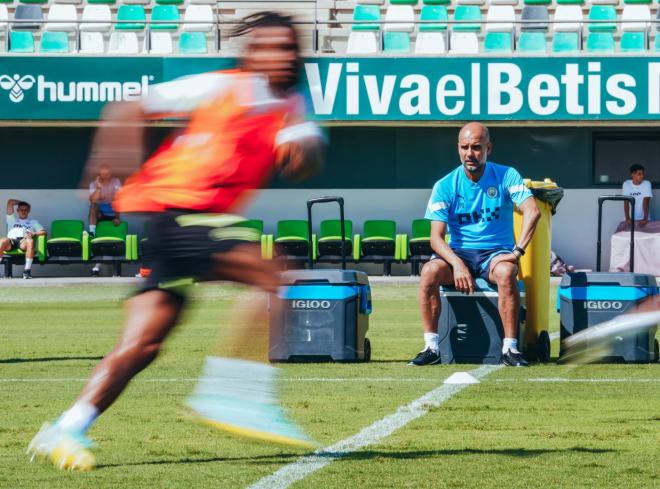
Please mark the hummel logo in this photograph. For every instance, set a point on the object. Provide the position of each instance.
(16, 85)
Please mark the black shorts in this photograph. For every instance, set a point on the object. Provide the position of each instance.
(477, 261)
(181, 246)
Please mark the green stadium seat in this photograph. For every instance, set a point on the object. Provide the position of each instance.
(600, 42)
(165, 13)
(33, 1)
(532, 42)
(17, 257)
(436, 2)
(418, 248)
(257, 236)
(111, 241)
(378, 243)
(130, 18)
(68, 241)
(537, 2)
(292, 239)
(192, 43)
(21, 42)
(169, 2)
(396, 42)
(329, 241)
(601, 35)
(54, 42)
(106, 2)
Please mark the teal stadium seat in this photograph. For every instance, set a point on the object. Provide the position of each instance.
(601, 34)
(431, 38)
(54, 42)
(192, 43)
(130, 17)
(636, 21)
(162, 14)
(363, 38)
(464, 34)
(499, 28)
(399, 23)
(21, 42)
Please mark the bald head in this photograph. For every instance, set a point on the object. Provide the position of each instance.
(474, 147)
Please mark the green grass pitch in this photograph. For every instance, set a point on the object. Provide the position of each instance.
(600, 431)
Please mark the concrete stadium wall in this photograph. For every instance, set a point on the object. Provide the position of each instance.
(574, 225)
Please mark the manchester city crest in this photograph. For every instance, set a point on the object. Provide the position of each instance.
(491, 192)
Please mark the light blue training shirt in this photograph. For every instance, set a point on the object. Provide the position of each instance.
(479, 215)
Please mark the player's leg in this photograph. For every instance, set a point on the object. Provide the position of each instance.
(93, 217)
(150, 317)
(5, 244)
(253, 409)
(27, 245)
(505, 275)
(434, 273)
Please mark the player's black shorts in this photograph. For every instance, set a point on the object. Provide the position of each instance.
(477, 261)
(181, 246)
(15, 243)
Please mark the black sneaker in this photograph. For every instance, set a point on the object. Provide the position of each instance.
(425, 357)
(514, 358)
(27, 274)
(91, 235)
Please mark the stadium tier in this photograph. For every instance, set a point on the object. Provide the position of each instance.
(397, 27)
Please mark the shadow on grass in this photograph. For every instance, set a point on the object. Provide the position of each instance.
(366, 455)
(45, 359)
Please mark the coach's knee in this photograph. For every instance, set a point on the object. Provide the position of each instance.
(506, 274)
(4, 244)
(431, 275)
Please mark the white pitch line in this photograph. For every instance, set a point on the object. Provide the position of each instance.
(294, 472)
(587, 381)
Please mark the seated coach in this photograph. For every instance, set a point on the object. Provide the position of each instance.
(475, 204)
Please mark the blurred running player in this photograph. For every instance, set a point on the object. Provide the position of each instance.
(245, 124)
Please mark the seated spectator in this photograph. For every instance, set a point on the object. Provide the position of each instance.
(101, 194)
(21, 231)
(641, 191)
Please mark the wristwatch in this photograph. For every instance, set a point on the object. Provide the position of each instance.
(519, 250)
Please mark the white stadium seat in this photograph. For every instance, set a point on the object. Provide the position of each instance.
(636, 18)
(402, 15)
(204, 2)
(430, 43)
(92, 42)
(96, 18)
(464, 43)
(66, 15)
(4, 17)
(202, 15)
(362, 42)
(161, 43)
(571, 17)
(500, 18)
(123, 42)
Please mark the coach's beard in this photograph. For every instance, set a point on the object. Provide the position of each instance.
(473, 166)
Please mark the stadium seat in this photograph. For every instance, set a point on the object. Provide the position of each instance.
(204, 2)
(534, 28)
(67, 241)
(67, 1)
(363, 38)
(635, 26)
(399, 23)
(165, 18)
(329, 241)
(26, 13)
(161, 43)
(4, 17)
(92, 43)
(169, 2)
(17, 257)
(258, 236)
(62, 17)
(198, 18)
(136, 2)
(192, 43)
(432, 37)
(96, 18)
(123, 43)
(464, 36)
(54, 42)
(601, 34)
(112, 244)
(101, 2)
(568, 27)
(33, 1)
(657, 32)
(21, 42)
(378, 243)
(418, 248)
(499, 29)
(130, 18)
(292, 241)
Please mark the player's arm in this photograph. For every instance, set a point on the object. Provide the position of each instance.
(11, 203)
(646, 206)
(463, 280)
(300, 151)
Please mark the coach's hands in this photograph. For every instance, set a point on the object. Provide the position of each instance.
(463, 280)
